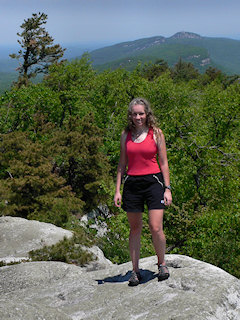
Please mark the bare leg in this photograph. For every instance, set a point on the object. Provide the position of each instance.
(158, 237)
(135, 222)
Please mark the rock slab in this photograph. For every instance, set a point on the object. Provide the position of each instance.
(55, 290)
(58, 291)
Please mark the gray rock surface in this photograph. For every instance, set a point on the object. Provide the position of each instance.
(58, 291)
(18, 236)
(100, 263)
(54, 290)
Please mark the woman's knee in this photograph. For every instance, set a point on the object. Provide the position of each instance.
(156, 221)
(155, 228)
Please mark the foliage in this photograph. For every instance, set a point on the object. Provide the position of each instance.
(154, 70)
(38, 51)
(68, 250)
(77, 156)
(29, 187)
(184, 71)
(60, 147)
(72, 82)
(21, 109)
(215, 239)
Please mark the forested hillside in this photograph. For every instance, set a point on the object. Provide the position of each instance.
(202, 52)
(60, 147)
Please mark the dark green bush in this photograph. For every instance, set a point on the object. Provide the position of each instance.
(66, 250)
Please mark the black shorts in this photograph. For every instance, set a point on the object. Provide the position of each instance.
(139, 190)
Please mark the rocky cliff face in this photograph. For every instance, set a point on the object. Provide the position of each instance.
(185, 35)
(55, 290)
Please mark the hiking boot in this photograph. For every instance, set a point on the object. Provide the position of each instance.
(163, 272)
(134, 279)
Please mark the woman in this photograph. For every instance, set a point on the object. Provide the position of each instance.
(145, 182)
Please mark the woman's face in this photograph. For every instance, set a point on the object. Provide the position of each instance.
(139, 116)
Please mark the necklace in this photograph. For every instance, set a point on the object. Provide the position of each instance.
(139, 136)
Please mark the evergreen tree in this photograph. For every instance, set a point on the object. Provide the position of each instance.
(184, 71)
(38, 51)
(29, 187)
(153, 70)
(79, 159)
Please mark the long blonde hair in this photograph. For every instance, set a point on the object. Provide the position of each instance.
(150, 119)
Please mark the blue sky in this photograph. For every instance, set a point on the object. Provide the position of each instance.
(110, 21)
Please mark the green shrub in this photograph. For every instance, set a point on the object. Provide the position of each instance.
(66, 250)
(216, 239)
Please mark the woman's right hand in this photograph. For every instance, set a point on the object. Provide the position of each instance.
(117, 199)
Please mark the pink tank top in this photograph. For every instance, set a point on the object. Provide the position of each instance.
(142, 157)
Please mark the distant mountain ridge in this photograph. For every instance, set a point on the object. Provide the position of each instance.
(203, 52)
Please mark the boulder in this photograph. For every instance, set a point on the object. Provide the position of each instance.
(55, 290)
(99, 225)
(99, 262)
(18, 236)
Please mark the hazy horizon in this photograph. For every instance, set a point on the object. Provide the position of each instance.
(74, 49)
(98, 43)
(88, 22)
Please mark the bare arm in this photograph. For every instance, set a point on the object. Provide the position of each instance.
(163, 161)
(120, 170)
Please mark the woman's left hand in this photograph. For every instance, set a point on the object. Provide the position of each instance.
(167, 197)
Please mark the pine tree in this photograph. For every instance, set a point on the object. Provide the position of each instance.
(38, 51)
(29, 188)
(184, 71)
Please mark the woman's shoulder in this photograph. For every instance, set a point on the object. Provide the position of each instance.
(156, 131)
(157, 134)
(124, 135)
